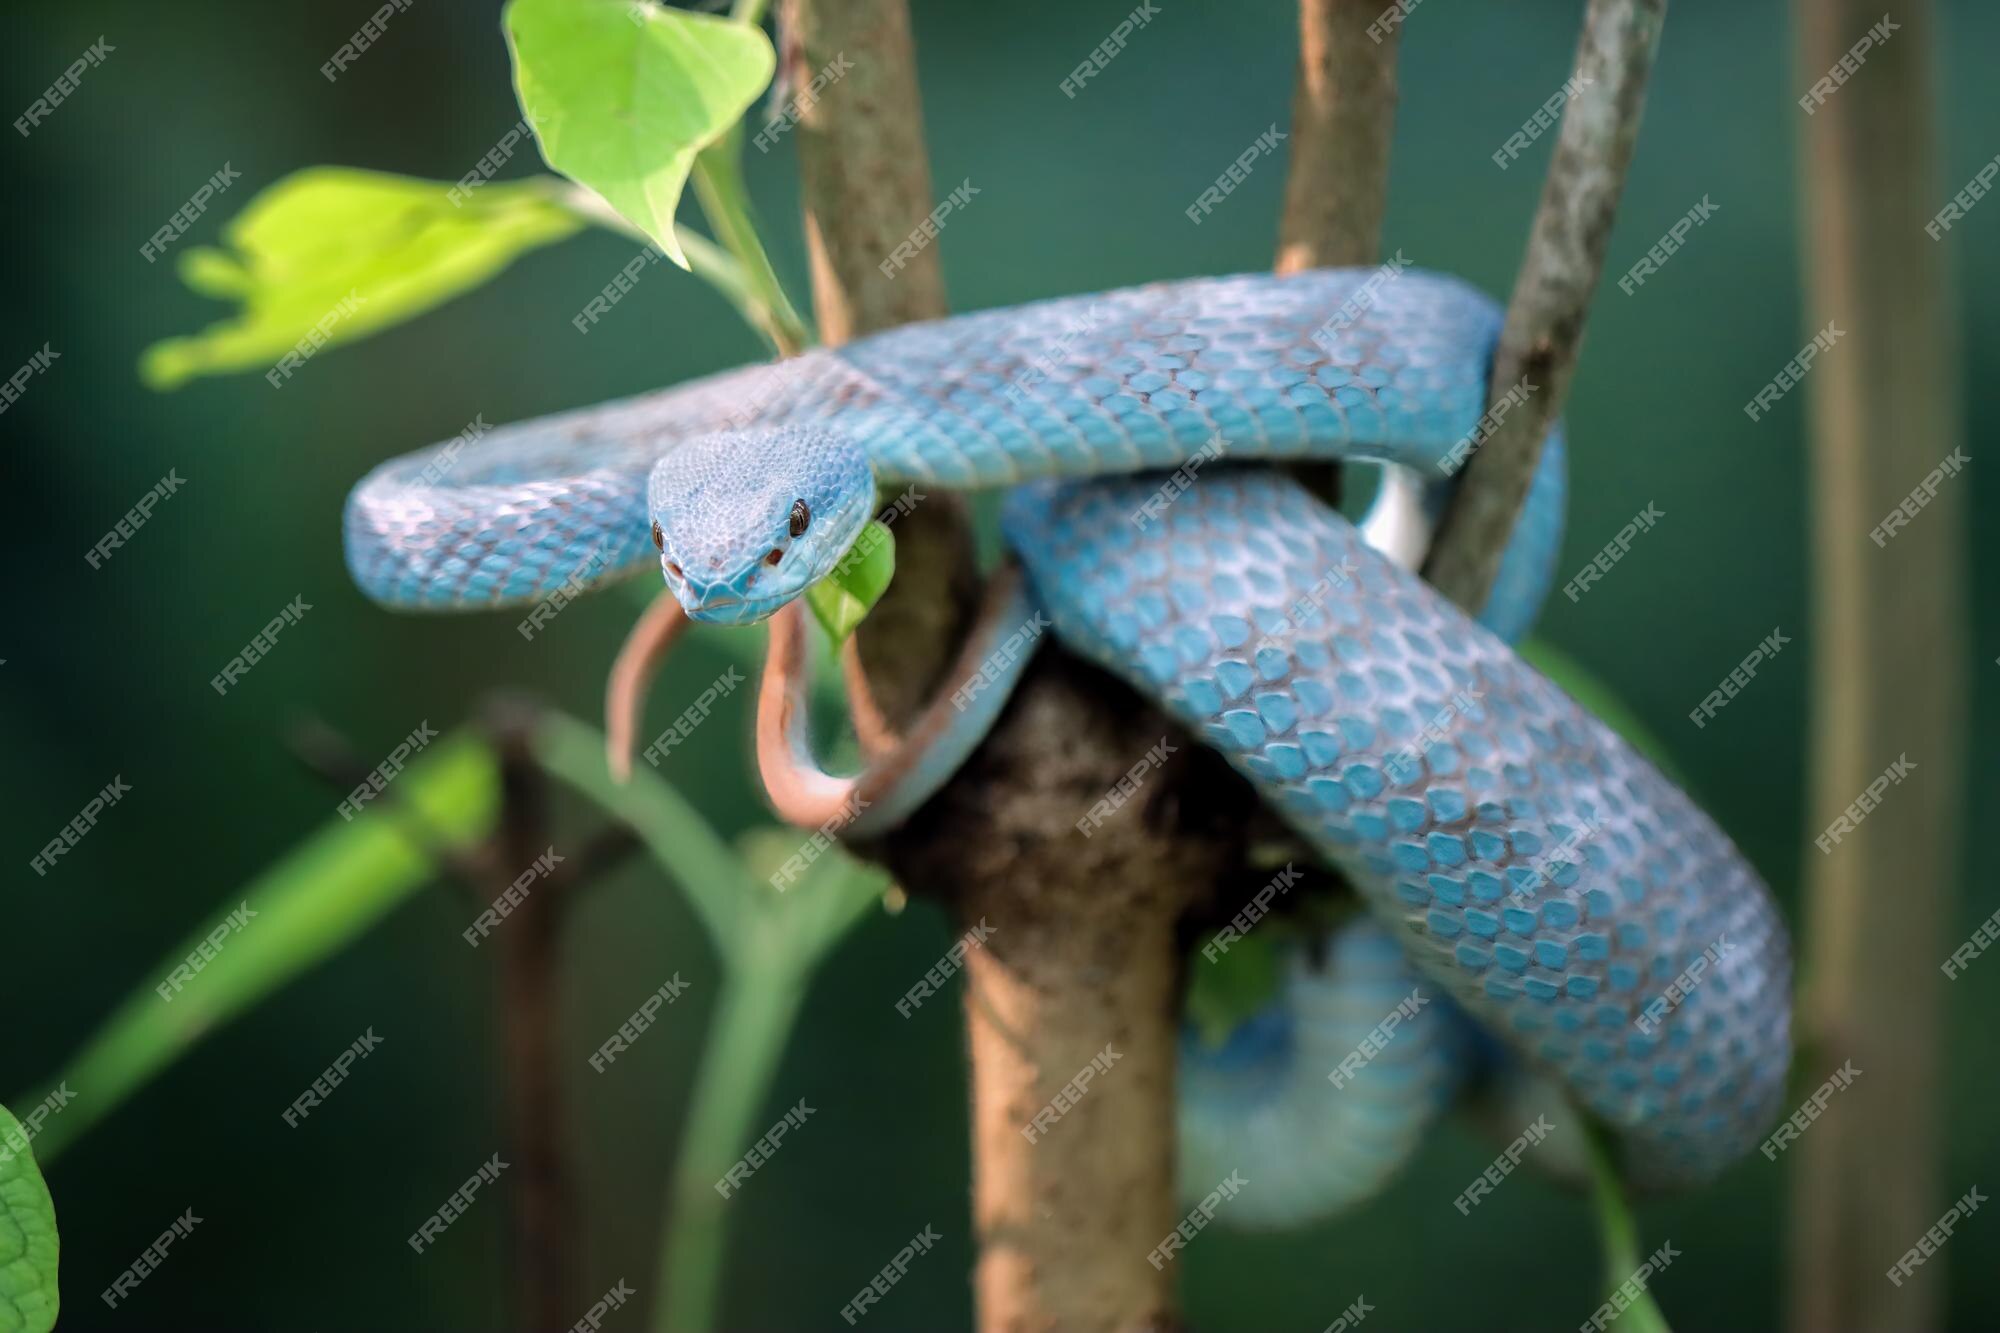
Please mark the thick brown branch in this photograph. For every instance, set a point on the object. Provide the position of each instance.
(1888, 669)
(1081, 952)
(1343, 119)
(1544, 328)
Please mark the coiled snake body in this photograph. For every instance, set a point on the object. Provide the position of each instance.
(1526, 868)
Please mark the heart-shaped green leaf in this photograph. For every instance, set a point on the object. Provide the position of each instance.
(842, 599)
(624, 93)
(330, 254)
(28, 1246)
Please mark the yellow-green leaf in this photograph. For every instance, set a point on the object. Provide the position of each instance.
(28, 1245)
(842, 599)
(330, 254)
(624, 93)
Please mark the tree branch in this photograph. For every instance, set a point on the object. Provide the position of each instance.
(1081, 952)
(1544, 328)
(1343, 119)
(1888, 670)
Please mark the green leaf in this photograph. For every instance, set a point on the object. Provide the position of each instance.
(623, 94)
(331, 254)
(843, 599)
(1598, 697)
(1241, 981)
(301, 911)
(28, 1245)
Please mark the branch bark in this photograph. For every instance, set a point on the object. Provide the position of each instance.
(1888, 671)
(1081, 953)
(1343, 120)
(1544, 328)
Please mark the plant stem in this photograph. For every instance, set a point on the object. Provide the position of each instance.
(746, 1037)
(718, 184)
(1544, 328)
(1888, 671)
(1620, 1236)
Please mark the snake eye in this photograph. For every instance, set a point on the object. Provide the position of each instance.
(659, 538)
(773, 556)
(802, 518)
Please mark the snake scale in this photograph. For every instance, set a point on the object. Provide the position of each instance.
(1539, 886)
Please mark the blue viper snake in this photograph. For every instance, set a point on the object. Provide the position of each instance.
(1530, 877)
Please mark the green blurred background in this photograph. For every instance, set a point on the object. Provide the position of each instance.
(107, 671)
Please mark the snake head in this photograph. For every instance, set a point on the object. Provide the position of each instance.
(747, 520)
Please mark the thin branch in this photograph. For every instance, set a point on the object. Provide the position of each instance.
(1337, 184)
(1888, 680)
(1343, 119)
(1544, 328)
